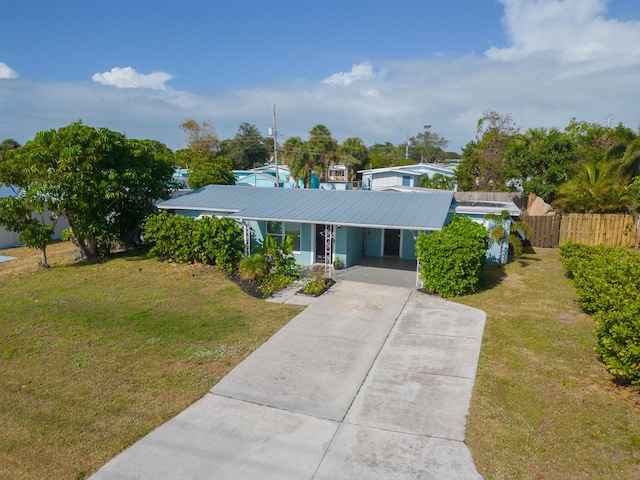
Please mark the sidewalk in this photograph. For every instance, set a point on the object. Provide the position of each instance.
(369, 381)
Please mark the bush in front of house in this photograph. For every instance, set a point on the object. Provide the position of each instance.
(607, 281)
(274, 268)
(208, 240)
(451, 260)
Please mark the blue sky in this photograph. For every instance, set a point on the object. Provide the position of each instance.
(373, 69)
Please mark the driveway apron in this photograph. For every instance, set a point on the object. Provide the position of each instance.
(369, 381)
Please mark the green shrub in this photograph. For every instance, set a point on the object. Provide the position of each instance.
(280, 256)
(452, 259)
(253, 267)
(605, 278)
(573, 254)
(274, 282)
(209, 240)
(618, 334)
(315, 285)
(607, 282)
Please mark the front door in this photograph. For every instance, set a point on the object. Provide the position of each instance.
(392, 243)
(324, 250)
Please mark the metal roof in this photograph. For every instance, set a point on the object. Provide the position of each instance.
(373, 209)
(413, 169)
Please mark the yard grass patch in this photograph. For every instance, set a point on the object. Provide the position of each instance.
(543, 405)
(94, 356)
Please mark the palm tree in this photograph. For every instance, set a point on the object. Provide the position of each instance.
(298, 156)
(498, 233)
(353, 154)
(629, 165)
(322, 145)
(595, 189)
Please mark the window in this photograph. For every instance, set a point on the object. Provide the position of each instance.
(279, 230)
(406, 181)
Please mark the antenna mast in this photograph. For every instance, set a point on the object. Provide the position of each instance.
(275, 146)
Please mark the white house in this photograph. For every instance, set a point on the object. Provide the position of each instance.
(404, 175)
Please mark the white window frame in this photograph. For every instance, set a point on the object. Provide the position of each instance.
(283, 232)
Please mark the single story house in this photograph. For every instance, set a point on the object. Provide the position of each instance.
(404, 175)
(326, 224)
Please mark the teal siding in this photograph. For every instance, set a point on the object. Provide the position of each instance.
(258, 232)
(374, 242)
(340, 245)
(305, 257)
(408, 249)
(354, 245)
(348, 246)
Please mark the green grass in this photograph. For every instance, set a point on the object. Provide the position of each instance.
(543, 405)
(94, 356)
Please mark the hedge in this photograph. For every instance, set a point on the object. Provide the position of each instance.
(607, 281)
(452, 259)
(208, 240)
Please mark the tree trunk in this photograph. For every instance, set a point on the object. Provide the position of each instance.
(88, 248)
(43, 258)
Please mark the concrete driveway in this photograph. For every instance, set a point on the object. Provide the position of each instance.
(370, 381)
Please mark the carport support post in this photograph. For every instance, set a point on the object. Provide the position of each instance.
(246, 233)
(329, 234)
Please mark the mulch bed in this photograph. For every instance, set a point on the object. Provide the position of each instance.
(248, 286)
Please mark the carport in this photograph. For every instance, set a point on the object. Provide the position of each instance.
(395, 272)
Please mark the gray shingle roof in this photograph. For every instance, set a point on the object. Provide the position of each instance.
(408, 211)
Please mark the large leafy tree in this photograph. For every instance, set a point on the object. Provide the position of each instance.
(540, 160)
(604, 168)
(27, 215)
(427, 146)
(103, 183)
(382, 155)
(6, 145)
(203, 156)
(247, 149)
(200, 136)
(25, 211)
(205, 168)
(483, 165)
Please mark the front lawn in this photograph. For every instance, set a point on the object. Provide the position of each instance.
(543, 406)
(96, 355)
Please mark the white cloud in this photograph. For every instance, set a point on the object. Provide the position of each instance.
(7, 72)
(127, 77)
(540, 83)
(359, 72)
(571, 30)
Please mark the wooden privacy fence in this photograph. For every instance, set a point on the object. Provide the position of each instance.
(612, 230)
(545, 230)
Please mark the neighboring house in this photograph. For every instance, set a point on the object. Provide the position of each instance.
(477, 210)
(256, 179)
(404, 175)
(265, 177)
(326, 224)
(9, 239)
(179, 179)
(337, 178)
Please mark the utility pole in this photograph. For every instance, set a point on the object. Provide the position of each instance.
(275, 146)
(406, 151)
